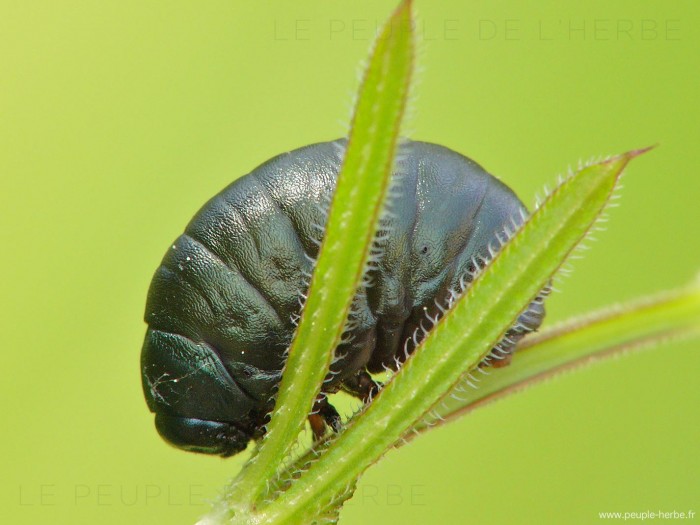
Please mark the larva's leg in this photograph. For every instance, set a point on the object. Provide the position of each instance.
(324, 414)
(362, 385)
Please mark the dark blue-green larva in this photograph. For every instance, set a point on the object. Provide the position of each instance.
(223, 304)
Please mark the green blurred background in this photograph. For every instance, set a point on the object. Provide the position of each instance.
(119, 119)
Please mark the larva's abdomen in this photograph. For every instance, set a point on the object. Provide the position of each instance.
(447, 211)
(222, 306)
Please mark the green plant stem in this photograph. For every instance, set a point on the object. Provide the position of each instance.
(464, 335)
(354, 215)
(579, 342)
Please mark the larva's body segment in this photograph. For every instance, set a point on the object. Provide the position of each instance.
(222, 306)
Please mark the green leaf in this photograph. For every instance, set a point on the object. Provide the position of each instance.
(578, 342)
(460, 340)
(353, 220)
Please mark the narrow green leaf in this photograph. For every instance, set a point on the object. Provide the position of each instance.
(460, 340)
(575, 343)
(352, 223)
(647, 322)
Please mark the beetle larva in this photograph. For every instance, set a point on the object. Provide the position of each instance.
(222, 304)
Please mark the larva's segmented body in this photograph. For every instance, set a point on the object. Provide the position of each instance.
(222, 306)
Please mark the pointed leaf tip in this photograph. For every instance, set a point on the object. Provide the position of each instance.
(403, 11)
(617, 163)
(637, 152)
(629, 155)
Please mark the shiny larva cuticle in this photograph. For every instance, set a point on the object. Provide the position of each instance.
(223, 304)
